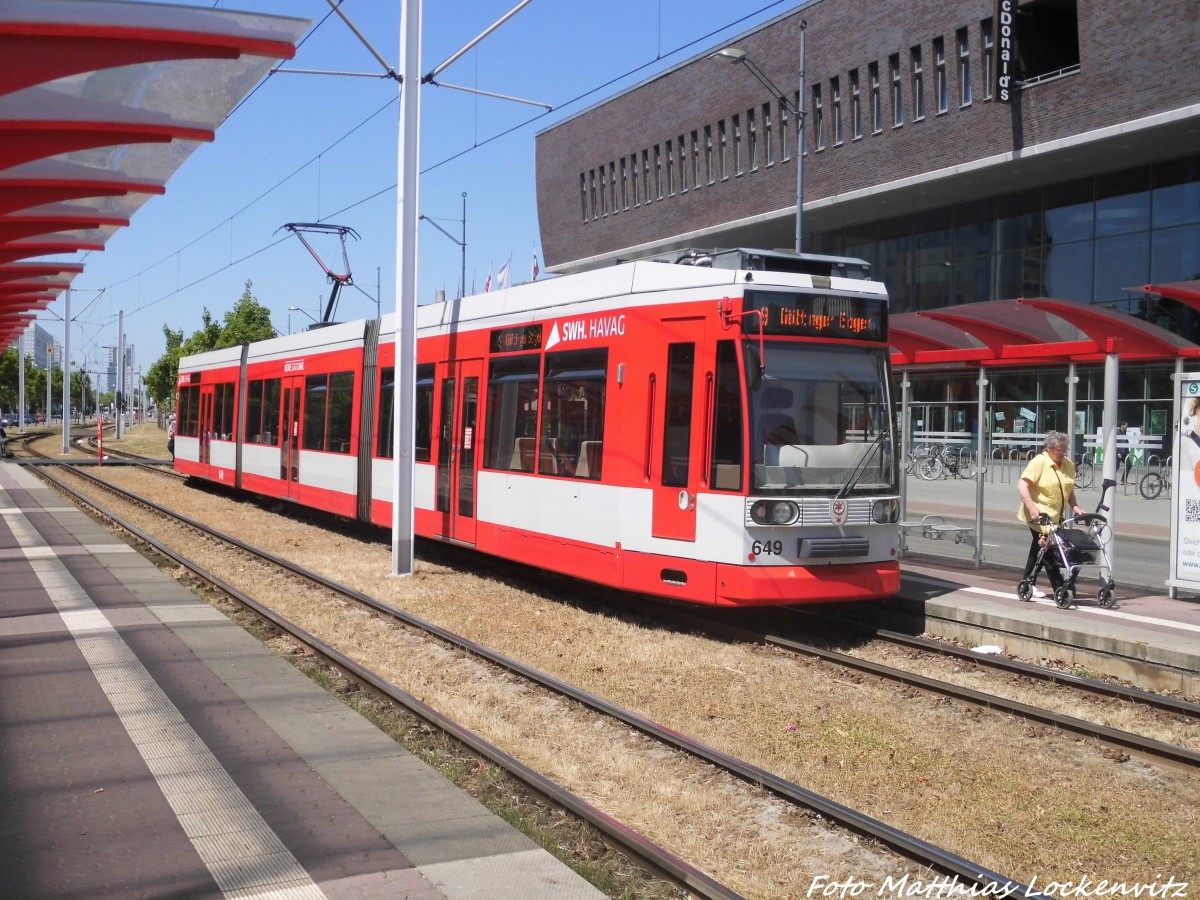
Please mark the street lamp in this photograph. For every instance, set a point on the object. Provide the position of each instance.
(298, 309)
(737, 55)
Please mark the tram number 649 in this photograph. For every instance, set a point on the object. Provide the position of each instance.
(767, 548)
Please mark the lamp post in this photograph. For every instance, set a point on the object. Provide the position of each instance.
(737, 55)
(292, 309)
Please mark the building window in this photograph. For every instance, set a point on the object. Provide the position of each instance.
(855, 106)
(612, 186)
(737, 145)
(633, 171)
(752, 137)
(835, 110)
(784, 133)
(646, 190)
(876, 99)
(658, 172)
(624, 185)
(818, 119)
(592, 192)
(683, 165)
(768, 147)
(583, 195)
(670, 169)
(897, 92)
(941, 85)
(989, 59)
(1048, 35)
(723, 149)
(918, 84)
(708, 154)
(603, 191)
(964, 67)
(697, 172)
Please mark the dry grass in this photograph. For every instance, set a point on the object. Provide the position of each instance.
(1020, 799)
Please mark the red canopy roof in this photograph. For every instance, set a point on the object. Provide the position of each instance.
(84, 120)
(1032, 331)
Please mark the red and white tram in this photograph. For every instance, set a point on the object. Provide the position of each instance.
(715, 430)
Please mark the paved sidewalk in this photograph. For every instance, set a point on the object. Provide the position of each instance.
(1141, 528)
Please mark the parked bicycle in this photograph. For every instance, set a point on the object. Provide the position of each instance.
(1085, 471)
(955, 462)
(1156, 481)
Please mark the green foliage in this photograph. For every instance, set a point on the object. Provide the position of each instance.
(35, 383)
(247, 322)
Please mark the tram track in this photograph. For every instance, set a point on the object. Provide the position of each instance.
(1114, 738)
(909, 846)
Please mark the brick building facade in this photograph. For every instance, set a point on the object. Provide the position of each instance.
(704, 155)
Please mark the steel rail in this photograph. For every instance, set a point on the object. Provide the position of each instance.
(907, 844)
(660, 858)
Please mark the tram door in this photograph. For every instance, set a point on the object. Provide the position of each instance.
(289, 432)
(678, 403)
(458, 444)
(206, 421)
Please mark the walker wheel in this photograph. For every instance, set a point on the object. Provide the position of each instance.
(1062, 597)
(1106, 598)
(1025, 590)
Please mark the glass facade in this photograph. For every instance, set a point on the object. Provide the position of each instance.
(1087, 239)
(1034, 400)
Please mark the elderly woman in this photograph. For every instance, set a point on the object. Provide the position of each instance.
(1047, 486)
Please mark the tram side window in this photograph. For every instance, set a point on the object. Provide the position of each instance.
(573, 415)
(512, 408)
(188, 419)
(328, 401)
(386, 412)
(262, 411)
(223, 412)
(677, 426)
(728, 430)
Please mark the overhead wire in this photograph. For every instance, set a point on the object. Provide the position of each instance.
(451, 158)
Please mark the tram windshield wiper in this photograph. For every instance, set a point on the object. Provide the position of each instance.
(861, 467)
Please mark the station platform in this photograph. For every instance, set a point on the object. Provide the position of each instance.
(1148, 637)
(151, 748)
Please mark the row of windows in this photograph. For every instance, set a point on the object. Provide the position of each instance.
(867, 102)
(760, 136)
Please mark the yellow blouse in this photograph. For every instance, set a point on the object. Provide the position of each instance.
(1050, 486)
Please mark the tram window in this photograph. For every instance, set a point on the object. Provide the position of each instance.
(222, 423)
(727, 440)
(512, 408)
(328, 403)
(262, 411)
(573, 415)
(424, 414)
(386, 412)
(188, 422)
(677, 425)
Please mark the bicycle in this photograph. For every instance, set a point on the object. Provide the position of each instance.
(944, 461)
(1085, 472)
(1156, 481)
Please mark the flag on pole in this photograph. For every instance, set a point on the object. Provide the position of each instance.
(487, 285)
(502, 276)
(536, 270)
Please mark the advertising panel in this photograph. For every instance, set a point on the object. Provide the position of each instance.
(1185, 494)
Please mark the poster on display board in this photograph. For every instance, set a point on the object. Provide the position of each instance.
(1185, 495)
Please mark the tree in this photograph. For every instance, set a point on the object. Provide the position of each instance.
(160, 377)
(247, 322)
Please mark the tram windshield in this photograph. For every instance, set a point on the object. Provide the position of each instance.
(819, 419)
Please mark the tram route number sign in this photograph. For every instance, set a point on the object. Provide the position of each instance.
(508, 340)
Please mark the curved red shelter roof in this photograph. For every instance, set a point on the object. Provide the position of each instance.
(88, 131)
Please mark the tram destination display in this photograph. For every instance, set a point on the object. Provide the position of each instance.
(817, 315)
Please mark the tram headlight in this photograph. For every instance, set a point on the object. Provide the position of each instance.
(886, 511)
(774, 512)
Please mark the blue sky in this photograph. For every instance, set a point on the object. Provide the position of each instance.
(310, 148)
